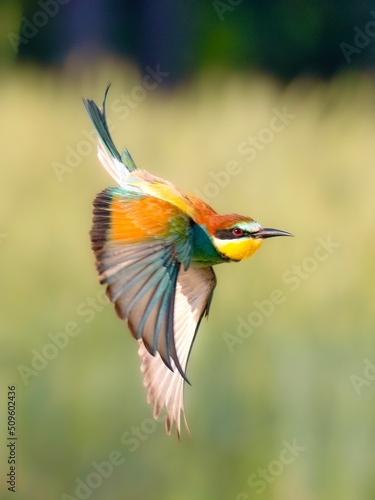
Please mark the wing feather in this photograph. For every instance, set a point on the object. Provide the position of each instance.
(194, 289)
(141, 285)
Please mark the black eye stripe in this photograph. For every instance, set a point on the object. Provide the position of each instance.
(227, 234)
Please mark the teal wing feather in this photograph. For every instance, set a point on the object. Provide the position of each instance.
(194, 291)
(141, 281)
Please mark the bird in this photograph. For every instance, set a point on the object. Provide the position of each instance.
(155, 247)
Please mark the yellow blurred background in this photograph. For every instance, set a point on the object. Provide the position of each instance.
(282, 399)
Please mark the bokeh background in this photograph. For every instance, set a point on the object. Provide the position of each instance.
(281, 407)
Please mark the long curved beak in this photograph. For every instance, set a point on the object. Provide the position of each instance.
(267, 232)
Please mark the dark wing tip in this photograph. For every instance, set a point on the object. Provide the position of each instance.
(102, 220)
(99, 120)
(105, 97)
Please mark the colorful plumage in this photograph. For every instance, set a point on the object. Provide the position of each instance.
(155, 247)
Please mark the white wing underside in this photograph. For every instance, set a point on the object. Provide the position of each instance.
(165, 388)
(113, 166)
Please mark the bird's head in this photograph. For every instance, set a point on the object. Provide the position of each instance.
(239, 237)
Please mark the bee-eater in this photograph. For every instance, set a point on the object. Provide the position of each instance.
(155, 247)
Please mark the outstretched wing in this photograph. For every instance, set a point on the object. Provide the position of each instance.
(141, 243)
(194, 290)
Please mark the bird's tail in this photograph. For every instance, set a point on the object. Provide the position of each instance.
(118, 166)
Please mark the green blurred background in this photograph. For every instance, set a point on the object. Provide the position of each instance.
(305, 376)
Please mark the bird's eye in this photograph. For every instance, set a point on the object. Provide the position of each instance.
(237, 231)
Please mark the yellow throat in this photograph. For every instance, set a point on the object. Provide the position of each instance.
(237, 249)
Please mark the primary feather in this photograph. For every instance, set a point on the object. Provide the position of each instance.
(165, 387)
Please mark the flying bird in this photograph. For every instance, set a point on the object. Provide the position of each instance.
(155, 247)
